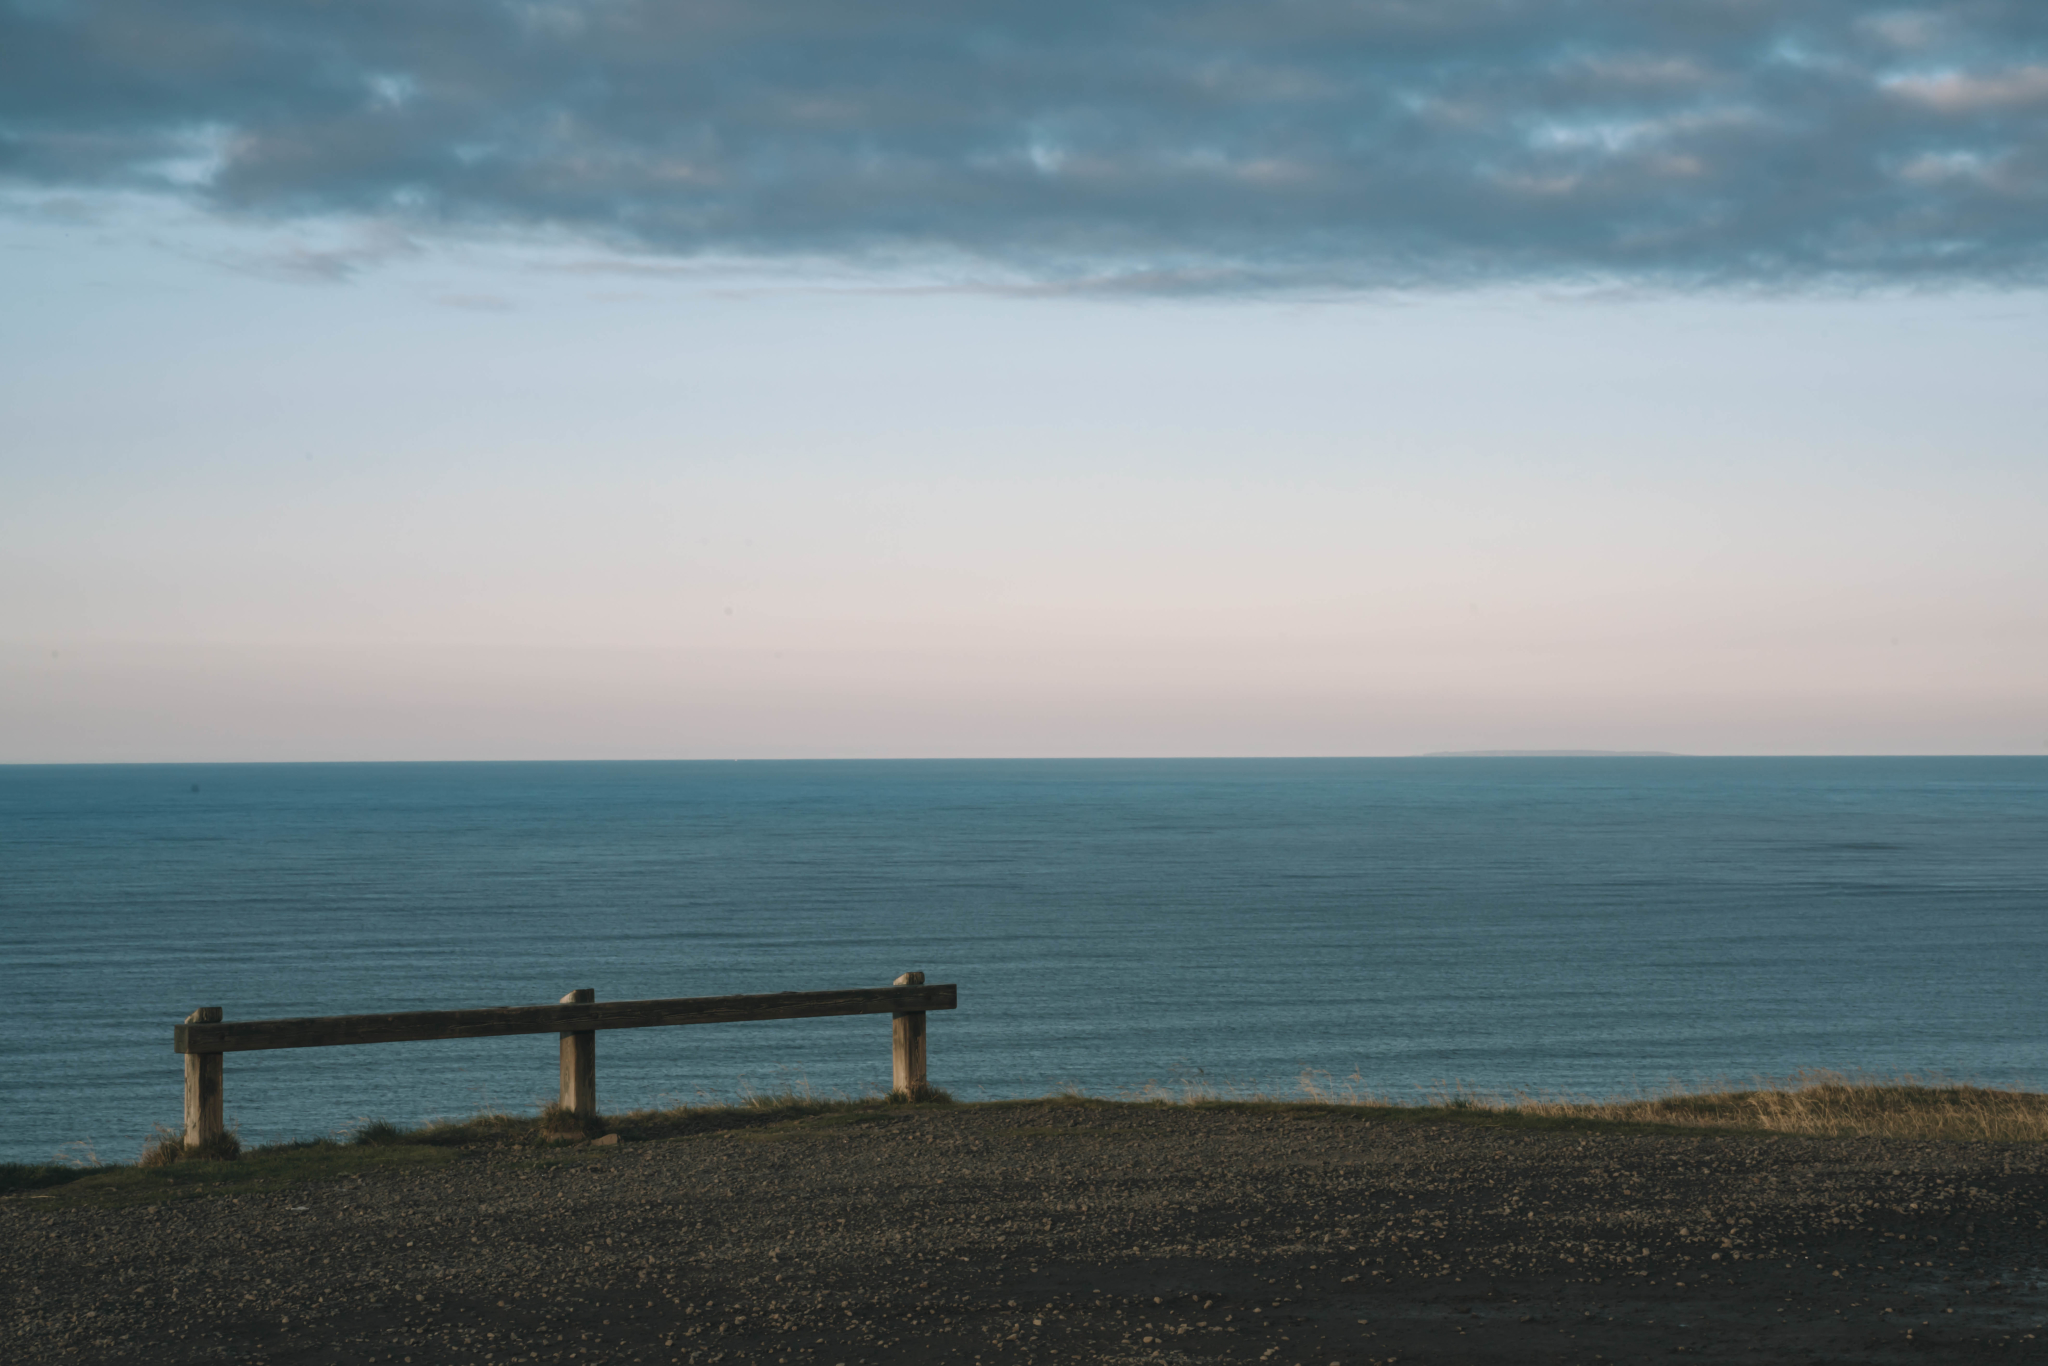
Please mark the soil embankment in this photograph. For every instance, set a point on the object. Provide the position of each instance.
(1069, 1233)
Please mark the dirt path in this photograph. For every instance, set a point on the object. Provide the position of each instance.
(1068, 1233)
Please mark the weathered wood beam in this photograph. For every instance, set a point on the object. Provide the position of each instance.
(324, 1031)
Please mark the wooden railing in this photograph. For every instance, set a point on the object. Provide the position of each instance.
(205, 1038)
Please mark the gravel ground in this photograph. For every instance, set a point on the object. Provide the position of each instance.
(1061, 1232)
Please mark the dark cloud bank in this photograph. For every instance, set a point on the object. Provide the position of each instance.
(1306, 142)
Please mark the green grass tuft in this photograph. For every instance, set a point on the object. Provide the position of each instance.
(923, 1095)
(167, 1146)
(377, 1133)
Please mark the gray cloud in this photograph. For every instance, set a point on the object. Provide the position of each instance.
(1192, 146)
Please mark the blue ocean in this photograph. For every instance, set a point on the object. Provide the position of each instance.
(1590, 926)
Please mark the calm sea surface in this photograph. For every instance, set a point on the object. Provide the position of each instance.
(1577, 925)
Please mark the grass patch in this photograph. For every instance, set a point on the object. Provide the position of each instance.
(168, 1145)
(1467, 1115)
(923, 1095)
(377, 1133)
(1833, 1105)
(168, 1171)
(21, 1178)
(1816, 1103)
(1819, 1104)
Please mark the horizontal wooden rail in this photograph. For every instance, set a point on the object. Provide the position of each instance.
(204, 1037)
(326, 1031)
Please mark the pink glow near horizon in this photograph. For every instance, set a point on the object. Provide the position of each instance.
(248, 520)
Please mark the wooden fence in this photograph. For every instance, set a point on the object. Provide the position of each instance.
(205, 1038)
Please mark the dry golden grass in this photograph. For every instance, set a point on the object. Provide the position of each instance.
(1831, 1104)
(1820, 1103)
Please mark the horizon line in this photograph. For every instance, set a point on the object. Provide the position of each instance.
(1006, 758)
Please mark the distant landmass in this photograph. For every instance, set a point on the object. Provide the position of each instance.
(1553, 754)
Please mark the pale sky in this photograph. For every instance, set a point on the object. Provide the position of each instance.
(1229, 415)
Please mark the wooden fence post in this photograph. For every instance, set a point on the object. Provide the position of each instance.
(202, 1087)
(907, 1051)
(579, 1062)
